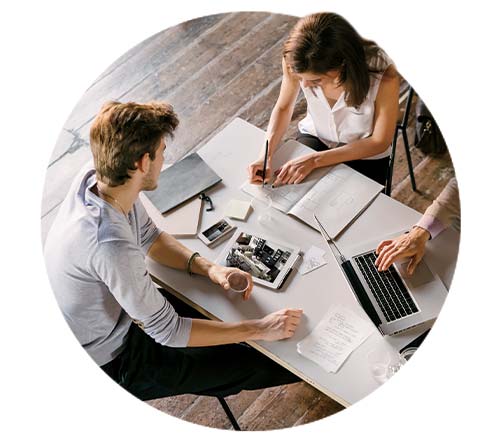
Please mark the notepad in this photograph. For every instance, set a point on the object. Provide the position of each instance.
(237, 209)
(335, 194)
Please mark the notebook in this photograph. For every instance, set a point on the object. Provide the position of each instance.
(337, 194)
(186, 178)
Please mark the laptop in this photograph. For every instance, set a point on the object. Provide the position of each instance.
(394, 301)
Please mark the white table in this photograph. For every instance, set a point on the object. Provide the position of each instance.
(229, 153)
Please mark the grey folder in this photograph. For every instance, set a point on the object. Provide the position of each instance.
(180, 182)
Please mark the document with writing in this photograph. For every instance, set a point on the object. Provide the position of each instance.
(337, 335)
(337, 194)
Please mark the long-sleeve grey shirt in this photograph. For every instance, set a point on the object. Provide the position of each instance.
(95, 259)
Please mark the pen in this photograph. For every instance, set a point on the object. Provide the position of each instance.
(265, 164)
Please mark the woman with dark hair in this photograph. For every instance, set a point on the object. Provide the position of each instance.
(352, 90)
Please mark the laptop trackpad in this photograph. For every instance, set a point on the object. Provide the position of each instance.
(421, 275)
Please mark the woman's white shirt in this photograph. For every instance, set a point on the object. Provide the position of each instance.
(342, 124)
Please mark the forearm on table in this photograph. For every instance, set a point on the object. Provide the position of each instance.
(364, 148)
(168, 251)
(210, 333)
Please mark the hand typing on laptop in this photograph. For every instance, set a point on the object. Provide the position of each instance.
(410, 245)
(444, 212)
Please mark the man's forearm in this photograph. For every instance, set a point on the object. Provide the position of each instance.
(170, 252)
(211, 333)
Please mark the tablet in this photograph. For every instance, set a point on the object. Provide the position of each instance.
(269, 262)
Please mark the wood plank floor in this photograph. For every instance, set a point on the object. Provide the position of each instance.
(212, 70)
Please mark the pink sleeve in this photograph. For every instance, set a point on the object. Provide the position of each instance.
(432, 224)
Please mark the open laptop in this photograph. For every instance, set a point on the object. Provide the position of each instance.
(394, 301)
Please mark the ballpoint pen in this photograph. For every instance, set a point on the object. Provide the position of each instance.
(265, 164)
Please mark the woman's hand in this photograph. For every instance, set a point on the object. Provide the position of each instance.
(255, 170)
(219, 275)
(411, 245)
(295, 170)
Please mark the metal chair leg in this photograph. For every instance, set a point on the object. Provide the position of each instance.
(229, 414)
(408, 158)
(388, 184)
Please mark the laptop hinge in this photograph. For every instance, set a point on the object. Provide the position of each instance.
(360, 293)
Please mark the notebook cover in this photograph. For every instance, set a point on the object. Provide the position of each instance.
(186, 178)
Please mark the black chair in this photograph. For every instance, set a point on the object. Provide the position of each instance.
(228, 412)
(402, 126)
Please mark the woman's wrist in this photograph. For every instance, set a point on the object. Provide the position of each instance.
(318, 159)
(420, 233)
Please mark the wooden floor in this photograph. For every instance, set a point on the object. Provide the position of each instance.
(212, 70)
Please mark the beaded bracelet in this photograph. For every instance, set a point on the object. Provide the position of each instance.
(190, 262)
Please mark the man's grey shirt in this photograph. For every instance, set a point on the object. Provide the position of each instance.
(96, 265)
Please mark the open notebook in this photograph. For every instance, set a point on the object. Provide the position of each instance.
(337, 195)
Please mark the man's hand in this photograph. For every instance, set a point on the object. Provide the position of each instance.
(411, 245)
(278, 325)
(219, 275)
(295, 170)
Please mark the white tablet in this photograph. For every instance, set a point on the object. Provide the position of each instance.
(269, 262)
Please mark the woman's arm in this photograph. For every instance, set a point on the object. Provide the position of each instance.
(281, 116)
(385, 119)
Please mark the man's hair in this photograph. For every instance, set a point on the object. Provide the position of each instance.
(123, 132)
(325, 41)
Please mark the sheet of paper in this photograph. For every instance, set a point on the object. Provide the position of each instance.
(337, 199)
(285, 196)
(312, 259)
(337, 335)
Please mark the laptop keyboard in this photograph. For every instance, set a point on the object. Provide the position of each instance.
(387, 287)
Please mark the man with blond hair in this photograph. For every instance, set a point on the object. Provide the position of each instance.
(144, 338)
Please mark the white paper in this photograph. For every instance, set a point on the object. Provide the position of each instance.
(312, 259)
(286, 196)
(337, 195)
(337, 199)
(337, 335)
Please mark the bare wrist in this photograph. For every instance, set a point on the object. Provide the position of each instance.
(202, 266)
(253, 328)
(317, 159)
(420, 233)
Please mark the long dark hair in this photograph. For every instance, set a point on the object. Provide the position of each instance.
(325, 41)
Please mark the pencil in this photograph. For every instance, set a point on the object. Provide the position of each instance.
(265, 165)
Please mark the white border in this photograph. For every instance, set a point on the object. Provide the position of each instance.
(53, 50)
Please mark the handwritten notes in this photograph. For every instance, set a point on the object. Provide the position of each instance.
(337, 335)
(313, 259)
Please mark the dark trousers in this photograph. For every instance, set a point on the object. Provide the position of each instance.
(149, 370)
(375, 169)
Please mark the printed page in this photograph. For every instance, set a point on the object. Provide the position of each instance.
(337, 199)
(337, 335)
(285, 196)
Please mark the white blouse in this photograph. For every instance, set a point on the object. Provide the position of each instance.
(342, 124)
